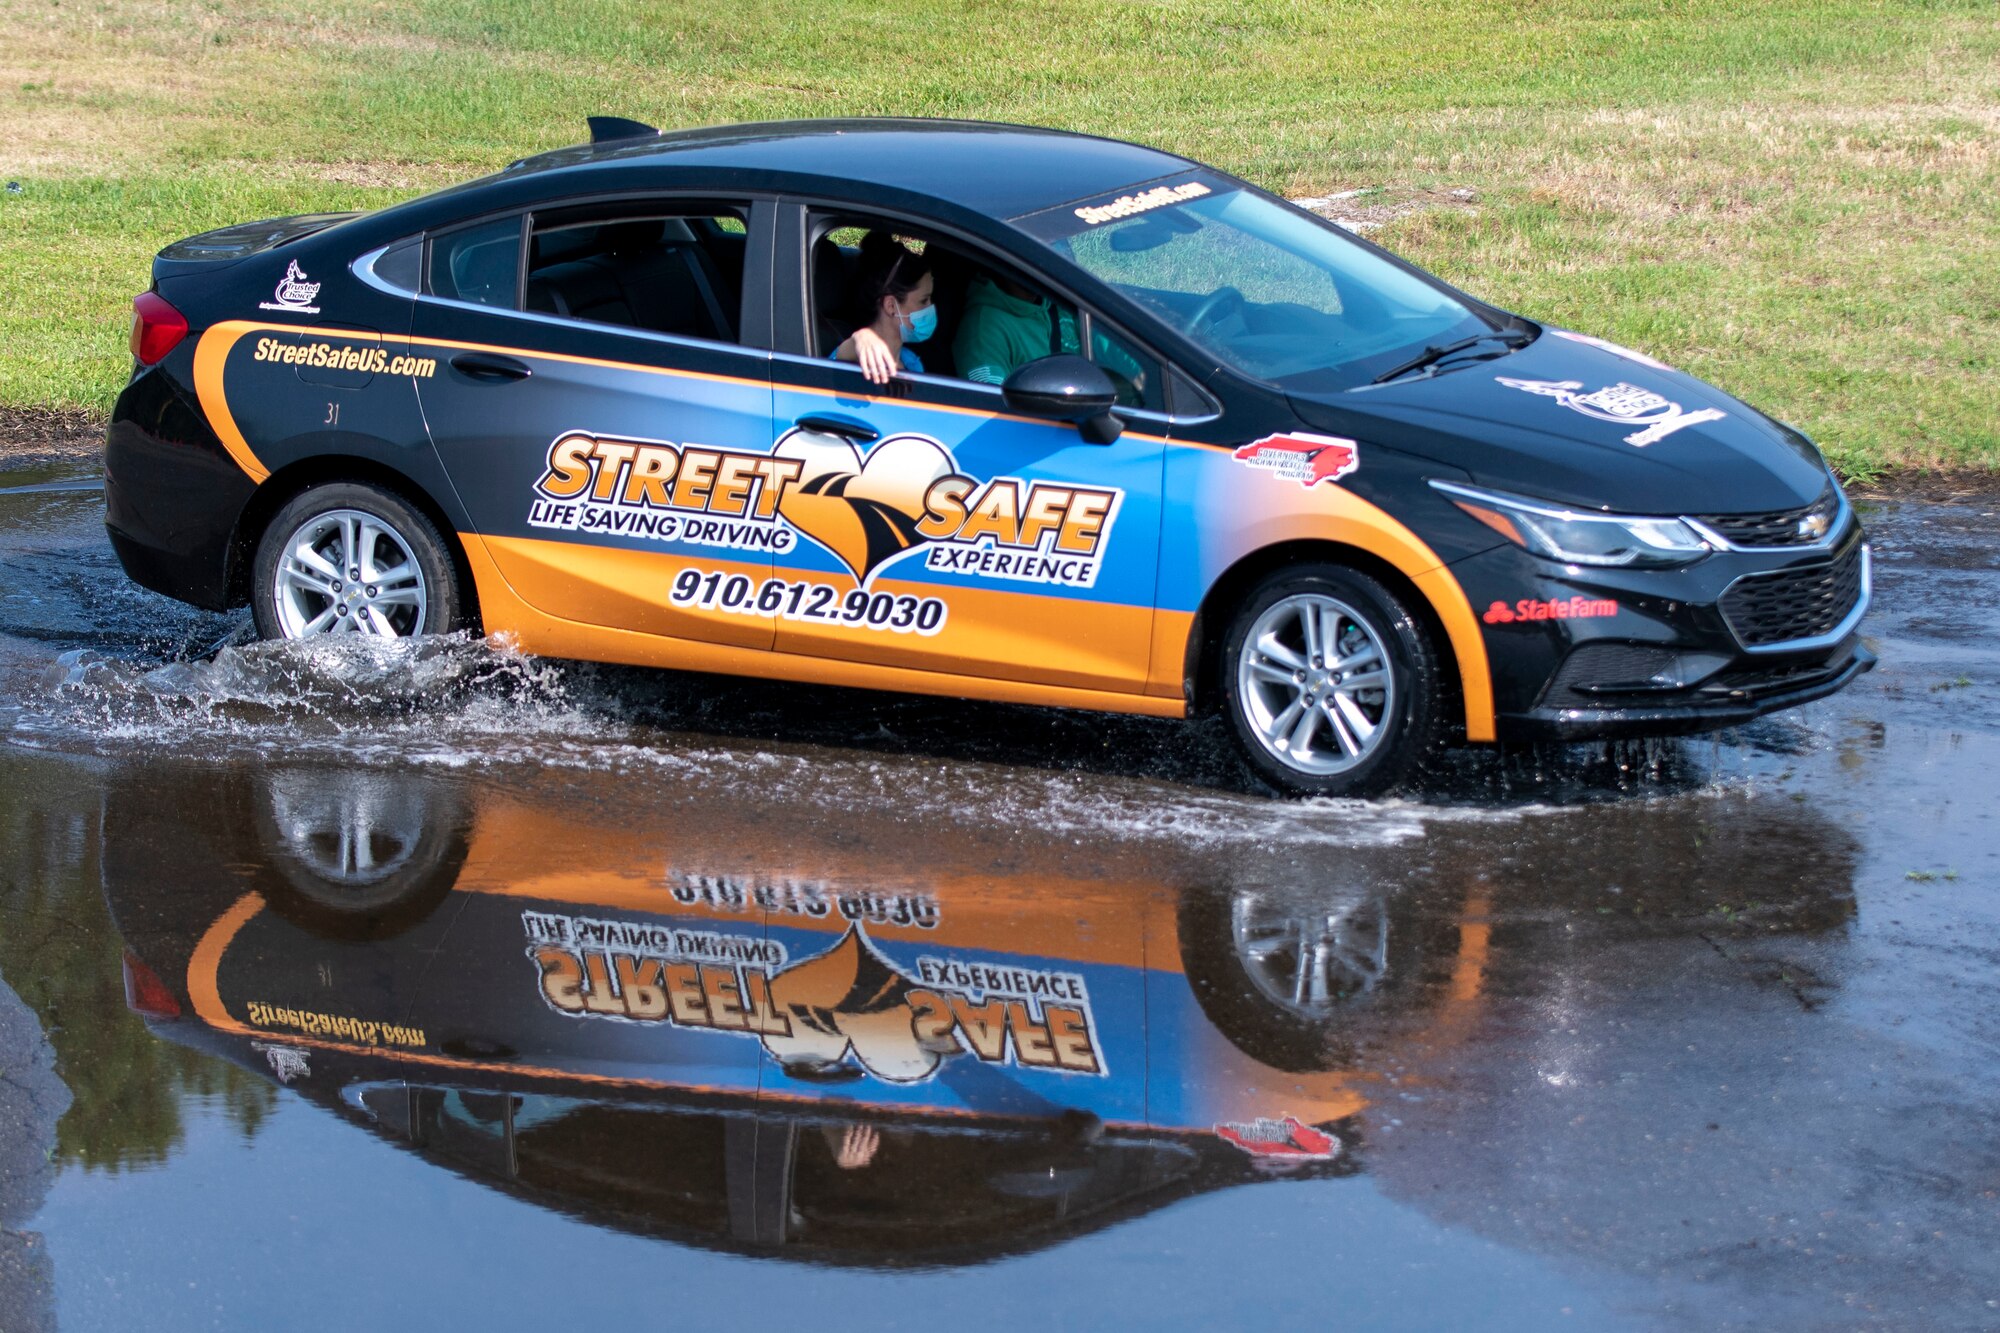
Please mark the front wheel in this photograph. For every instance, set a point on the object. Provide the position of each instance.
(1329, 683)
(351, 558)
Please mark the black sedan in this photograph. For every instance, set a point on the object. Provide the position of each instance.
(972, 410)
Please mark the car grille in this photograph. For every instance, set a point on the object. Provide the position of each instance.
(1625, 668)
(1778, 528)
(1788, 604)
(1778, 680)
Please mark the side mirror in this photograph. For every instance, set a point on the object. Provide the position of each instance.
(1066, 388)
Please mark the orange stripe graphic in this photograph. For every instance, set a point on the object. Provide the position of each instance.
(206, 961)
(210, 355)
(1356, 522)
(1329, 513)
(536, 631)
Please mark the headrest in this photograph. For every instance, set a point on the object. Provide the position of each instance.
(623, 238)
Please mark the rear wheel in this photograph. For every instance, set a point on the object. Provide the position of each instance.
(1329, 683)
(354, 853)
(351, 558)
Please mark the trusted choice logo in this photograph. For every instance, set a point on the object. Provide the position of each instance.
(294, 294)
(868, 510)
(1285, 1138)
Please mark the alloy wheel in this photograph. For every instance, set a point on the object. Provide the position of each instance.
(1315, 684)
(346, 571)
(1306, 961)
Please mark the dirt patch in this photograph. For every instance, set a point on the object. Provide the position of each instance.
(1370, 208)
(384, 175)
(26, 431)
(1967, 488)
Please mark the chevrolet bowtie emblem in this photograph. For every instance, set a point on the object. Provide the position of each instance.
(1814, 525)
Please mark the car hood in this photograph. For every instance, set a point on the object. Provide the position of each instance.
(1578, 421)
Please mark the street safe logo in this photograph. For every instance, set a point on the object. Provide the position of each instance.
(867, 510)
(848, 1009)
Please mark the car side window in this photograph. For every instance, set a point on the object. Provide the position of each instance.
(988, 322)
(402, 265)
(480, 263)
(837, 276)
(677, 271)
(1140, 380)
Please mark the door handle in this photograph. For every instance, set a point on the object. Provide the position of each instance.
(831, 423)
(491, 369)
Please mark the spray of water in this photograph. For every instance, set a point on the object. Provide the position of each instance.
(460, 702)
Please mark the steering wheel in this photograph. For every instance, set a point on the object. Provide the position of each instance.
(1223, 300)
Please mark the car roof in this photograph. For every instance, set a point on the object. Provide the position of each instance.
(999, 171)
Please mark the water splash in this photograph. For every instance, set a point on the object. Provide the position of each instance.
(460, 702)
(260, 695)
(467, 703)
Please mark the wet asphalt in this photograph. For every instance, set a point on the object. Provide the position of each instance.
(1682, 1035)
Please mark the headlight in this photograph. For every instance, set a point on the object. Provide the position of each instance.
(1581, 539)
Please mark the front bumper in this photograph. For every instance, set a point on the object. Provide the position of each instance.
(1728, 700)
(1579, 653)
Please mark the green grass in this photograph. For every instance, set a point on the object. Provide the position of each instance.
(1799, 201)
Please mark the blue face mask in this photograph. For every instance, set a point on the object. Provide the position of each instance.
(921, 325)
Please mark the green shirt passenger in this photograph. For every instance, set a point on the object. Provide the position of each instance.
(1006, 326)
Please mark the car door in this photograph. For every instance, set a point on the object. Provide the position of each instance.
(601, 404)
(938, 531)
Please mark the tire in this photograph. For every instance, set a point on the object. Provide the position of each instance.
(1398, 702)
(354, 853)
(1303, 979)
(296, 593)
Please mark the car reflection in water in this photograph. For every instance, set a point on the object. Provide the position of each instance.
(754, 1029)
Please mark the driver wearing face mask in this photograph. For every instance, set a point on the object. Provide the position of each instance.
(892, 306)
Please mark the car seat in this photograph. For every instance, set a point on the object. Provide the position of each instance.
(951, 275)
(832, 274)
(649, 274)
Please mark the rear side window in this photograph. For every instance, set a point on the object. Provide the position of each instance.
(480, 264)
(401, 266)
(664, 269)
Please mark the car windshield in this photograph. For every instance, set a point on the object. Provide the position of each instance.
(1269, 291)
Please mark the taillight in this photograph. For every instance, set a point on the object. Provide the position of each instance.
(157, 328)
(145, 993)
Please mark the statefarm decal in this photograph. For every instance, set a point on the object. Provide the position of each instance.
(1534, 609)
(904, 496)
(847, 1010)
(1626, 404)
(1306, 459)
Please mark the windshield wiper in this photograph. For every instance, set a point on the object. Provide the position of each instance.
(1432, 355)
